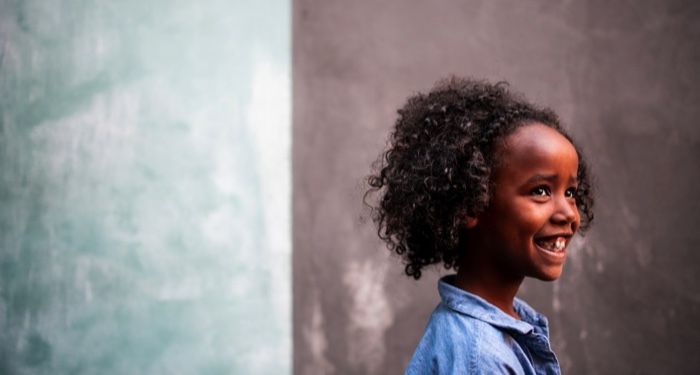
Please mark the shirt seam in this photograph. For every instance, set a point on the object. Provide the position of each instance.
(475, 353)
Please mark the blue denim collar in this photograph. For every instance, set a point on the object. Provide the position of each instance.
(472, 305)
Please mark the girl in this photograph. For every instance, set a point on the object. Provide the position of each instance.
(485, 183)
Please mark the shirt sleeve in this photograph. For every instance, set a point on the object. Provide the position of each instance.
(441, 351)
(448, 347)
(438, 362)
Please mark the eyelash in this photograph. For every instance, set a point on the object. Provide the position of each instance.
(544, 191)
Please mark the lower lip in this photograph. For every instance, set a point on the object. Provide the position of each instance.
(557, 257)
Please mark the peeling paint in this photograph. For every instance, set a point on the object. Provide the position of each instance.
(317, 343)
(556, 301)
(370, 315)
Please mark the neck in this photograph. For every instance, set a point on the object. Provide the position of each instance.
(489, 284)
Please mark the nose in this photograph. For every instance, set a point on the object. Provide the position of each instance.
(565, 213)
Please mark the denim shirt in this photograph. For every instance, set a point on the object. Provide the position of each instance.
(467, 335)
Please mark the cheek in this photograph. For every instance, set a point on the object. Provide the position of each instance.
(523, 225)
(531, 216)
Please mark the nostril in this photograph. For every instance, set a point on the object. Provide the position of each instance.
(560, 219)
(565, 213)
(564, 216)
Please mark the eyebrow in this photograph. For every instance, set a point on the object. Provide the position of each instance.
(549, 177)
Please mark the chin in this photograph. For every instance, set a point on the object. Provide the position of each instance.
(549, 275)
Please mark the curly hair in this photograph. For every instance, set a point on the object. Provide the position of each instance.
(437, 168)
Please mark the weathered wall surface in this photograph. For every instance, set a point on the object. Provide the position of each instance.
(623, 76)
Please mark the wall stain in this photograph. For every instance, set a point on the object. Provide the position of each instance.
(370, 313)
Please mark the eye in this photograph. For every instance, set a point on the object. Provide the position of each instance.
(540, 191)
(571, 192)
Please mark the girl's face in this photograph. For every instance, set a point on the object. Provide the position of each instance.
(532, 214)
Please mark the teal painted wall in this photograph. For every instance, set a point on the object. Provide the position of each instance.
(145, 187)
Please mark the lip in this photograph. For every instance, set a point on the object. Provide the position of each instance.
(554, 257)
(557, 257)
(566, 235)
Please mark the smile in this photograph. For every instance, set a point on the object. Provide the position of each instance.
(554, 246)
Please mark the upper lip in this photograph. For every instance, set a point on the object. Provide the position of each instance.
(566, 235)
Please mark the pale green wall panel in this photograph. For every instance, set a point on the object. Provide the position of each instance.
(145, 187)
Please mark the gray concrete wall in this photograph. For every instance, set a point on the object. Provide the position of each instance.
(623, 76)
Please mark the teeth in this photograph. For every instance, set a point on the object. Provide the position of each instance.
(559, 245)
(556, 245)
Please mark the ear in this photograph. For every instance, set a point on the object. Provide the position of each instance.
(470, 222)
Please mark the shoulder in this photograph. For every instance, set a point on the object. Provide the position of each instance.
(458, 343)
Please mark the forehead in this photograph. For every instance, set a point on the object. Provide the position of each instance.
(537, 148)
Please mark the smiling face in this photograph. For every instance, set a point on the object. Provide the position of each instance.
(532, 213)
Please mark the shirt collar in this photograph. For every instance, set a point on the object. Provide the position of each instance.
(470, 304)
